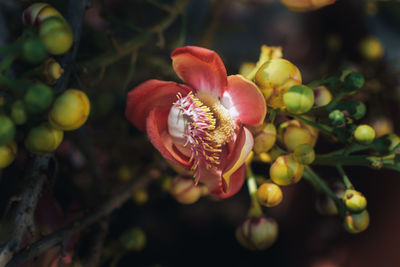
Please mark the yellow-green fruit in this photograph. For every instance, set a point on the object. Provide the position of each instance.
(184, 190)
(299, 99)
(364, 134)
(371, 48)
(304, 154)
(356, 223)
(355, 201)
(7, 130)
(274, 78)
(257, 233)
(43, 139)
(70, 110)
(269, 194)
(322, 96)
(56, 35)
(133, 239)
(265, 139)
(8, 153)
(285, 170)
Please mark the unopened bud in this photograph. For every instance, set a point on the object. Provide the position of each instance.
(38, 98)
(56, 35)
(269, 194)
(364, 134)
(265, 139)
(133, 239)
(43, 139)
(352, 81)
(184, 190)
(293, 133)
(299, 99)
(286, 170)
(8, 153)
(304, 154)
(371, 48)
(52, 71)
(257, 233)
(336, 117)
(33, 51)
(322, 96)
(274, 78)
(356, 223)
(38, 12)
(140, 197)
(355, 201)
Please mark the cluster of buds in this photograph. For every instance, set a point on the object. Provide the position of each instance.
(32, 98)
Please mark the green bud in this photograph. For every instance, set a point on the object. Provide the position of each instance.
(133, 239)
(43, 139)
(353, 81)
(56, 35)
(33, 51)
(18, 113)
(299, 99)
(355, 201)
(355, 108)
(38, 98)
(356, 223)
(257, 233)
(7, 130)
(336, 117)
(364, 134)
(304, 154)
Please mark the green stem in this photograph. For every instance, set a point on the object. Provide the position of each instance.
(335, 100)
(345, 178)
(312, 177)
(255, 210)
(323, 128)
(357, 160)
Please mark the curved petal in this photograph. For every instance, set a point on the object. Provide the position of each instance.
(237, 180)
(237, 157)
(200, 68)
(152, 93)
(157, 130)
(244, 101)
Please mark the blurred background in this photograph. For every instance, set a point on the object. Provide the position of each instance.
(361, 35)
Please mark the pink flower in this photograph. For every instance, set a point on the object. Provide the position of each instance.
(200, 125)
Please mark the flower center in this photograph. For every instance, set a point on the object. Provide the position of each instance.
(200, 125)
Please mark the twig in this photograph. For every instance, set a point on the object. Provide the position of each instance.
(103, 210)
(24, 212)
(96, 244)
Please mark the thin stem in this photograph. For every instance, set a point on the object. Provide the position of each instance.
(314, 178)
(255, 210)
(345, 178)
(335, 100)
(323, 128)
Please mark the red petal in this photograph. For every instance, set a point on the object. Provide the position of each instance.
(237, 157)
(244, 101)
(157, 130)
(152, 93)
(237, 180)
(200, 68)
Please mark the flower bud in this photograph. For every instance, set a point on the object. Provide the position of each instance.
(38, 98)
(304, 154)
(269, 194)
(285, 170)
(356, 109)
(382, 126)
(355, 201)
(184, 190)
(293, 133)
(70, 110)
(371, 48)
(336, 117)
(257, 233)
(140, 197)
(299, 99)
(56, 35)
(18, 113)
(38, 12)
(246, 68)
(52, 71)
(43, 139)
(352, 81)
(7, 130)
(356, 223)
(265, 139)
(33, 51)
(274, 78)
(322, 96)
(305, 5)
(8, 153)
(133, 240)
(364, 134)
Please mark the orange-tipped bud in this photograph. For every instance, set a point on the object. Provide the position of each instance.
(257, 233)
(286, 170)
(269, 194)
(274, 78)
(356, 223)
